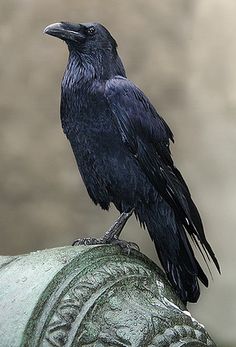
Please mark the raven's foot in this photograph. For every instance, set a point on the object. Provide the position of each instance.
(112, 235)
(126, 246)
(87, 241)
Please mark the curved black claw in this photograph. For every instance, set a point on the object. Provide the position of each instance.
(87, 241)
(126, 246)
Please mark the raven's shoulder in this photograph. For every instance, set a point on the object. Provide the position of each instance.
(120, 89)
(136, 117)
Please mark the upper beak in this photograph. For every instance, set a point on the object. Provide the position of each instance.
(64, 31)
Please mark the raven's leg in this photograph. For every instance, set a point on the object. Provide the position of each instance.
(115, 230)
(112, 235)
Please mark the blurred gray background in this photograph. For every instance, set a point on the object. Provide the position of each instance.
(182, 54)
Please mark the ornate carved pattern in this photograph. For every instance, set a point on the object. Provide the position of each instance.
(121, 302)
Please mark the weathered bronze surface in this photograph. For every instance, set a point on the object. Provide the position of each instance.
(91, 296)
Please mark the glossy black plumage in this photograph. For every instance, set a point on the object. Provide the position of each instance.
(121, 146)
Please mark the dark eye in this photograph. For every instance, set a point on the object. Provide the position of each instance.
(91, 30)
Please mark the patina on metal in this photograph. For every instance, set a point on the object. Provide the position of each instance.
(91, 296)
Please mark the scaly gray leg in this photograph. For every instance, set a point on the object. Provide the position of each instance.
(115, 230)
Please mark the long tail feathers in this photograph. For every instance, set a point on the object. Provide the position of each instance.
(174, 249)
(195, 229)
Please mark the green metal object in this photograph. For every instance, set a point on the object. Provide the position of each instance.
(91, 296)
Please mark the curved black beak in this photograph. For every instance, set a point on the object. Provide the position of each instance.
(65, 31)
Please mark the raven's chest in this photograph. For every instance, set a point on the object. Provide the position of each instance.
(95, 142)
(87, 120)
(81, 107)
(101, 156)
(89, 125)
(98, 148)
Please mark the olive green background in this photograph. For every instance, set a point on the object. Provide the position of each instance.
(182, 54)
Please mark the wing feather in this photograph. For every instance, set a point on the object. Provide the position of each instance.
(148, 137)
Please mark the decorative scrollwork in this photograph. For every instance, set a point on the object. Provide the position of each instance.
(113, 300)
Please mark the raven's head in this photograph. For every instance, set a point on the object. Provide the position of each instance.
(85, 37)
(91, 45)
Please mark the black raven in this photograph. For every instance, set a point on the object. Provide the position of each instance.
(121, 145)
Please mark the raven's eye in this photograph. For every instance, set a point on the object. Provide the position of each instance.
(91, 30)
